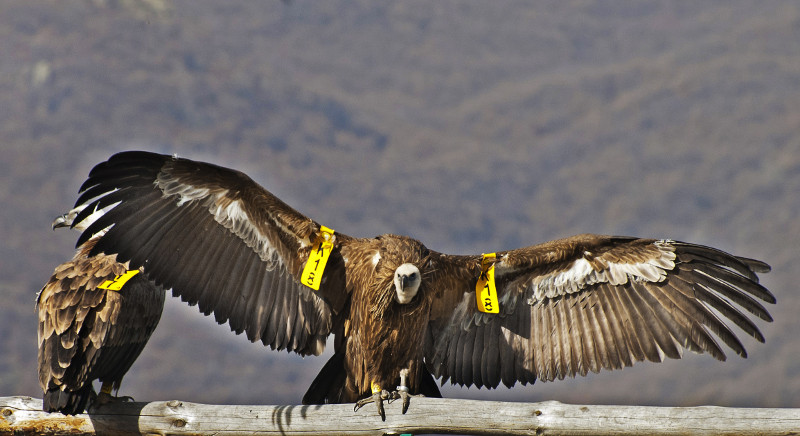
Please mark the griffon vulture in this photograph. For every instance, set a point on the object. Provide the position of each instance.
(397, 308)
(95, 317)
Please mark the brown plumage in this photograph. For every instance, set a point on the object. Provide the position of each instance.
(566, 307)
(87, 333)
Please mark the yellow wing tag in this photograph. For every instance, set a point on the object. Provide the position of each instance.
(485, 289)
(320, 252)
(119, 281)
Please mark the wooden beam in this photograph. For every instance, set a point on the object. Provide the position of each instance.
(23, 416)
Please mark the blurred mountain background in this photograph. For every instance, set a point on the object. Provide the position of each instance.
(473, 126)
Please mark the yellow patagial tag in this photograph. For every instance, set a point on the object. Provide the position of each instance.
(485, 289)
(375, 388)
(119, 281)
(320, 252)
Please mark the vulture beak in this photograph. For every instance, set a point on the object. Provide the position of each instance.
(406, 281)
(61, 221)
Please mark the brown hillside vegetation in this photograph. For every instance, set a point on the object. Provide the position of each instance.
(473, 126)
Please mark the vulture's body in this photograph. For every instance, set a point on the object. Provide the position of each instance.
(563, 308)
(89, 333)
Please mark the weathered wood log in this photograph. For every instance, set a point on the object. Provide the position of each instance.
(23, 416)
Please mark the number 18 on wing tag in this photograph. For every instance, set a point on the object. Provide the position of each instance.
(485, 289)
(317, 259)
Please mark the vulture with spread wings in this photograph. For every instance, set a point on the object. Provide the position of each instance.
(401, 313)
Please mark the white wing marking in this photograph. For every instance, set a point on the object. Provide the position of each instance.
(581, 274)
(228, 213)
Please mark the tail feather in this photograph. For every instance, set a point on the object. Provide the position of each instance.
(329, 385)
(68, 402)
(427, 385)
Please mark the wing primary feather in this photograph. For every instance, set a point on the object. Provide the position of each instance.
(727, 284)
(699, 318)
(674, 317)
(138, 196)
(606, 336)
(217, 289)
(578, 361)
(583, 334)
(619, 322)
(254, 306)
(476, 360)
(755, 265)
(465, 355)
(546, 340)
(707, 255)
(598, 338)
(638, 330)
(250, 289)
(199, 277)
(272, 283)
(704, 316)
(653, 315)
(293, 319)
(95, 188)
(289, 303)
(144, 225)
(742, 284)
(234, 293)
(179, 261)
(491, 356)
(450, 357)
(729, 311)
(507, 362)
(278, 318)
(563, 339)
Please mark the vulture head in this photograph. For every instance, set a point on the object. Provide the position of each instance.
(67, 219)
(407, 279)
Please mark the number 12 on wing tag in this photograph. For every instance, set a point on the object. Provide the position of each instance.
(485, 289)
(317, 259)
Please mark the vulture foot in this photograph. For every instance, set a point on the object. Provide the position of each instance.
(377, 397)
(104, 398)
(402, 392)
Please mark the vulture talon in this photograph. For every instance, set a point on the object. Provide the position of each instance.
(403, 393)
(377, 398)
(402, 390)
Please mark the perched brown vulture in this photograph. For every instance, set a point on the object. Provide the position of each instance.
(95, 317)
(562, 308)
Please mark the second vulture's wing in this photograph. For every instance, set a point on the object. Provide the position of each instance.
(218, 240)
(588, 303)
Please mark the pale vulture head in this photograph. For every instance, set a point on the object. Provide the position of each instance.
(67, 219)
(406, 282)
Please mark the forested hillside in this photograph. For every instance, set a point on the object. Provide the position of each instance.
(473, 126)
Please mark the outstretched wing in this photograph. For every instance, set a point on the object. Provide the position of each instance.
(588, 303)
(218, 240)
